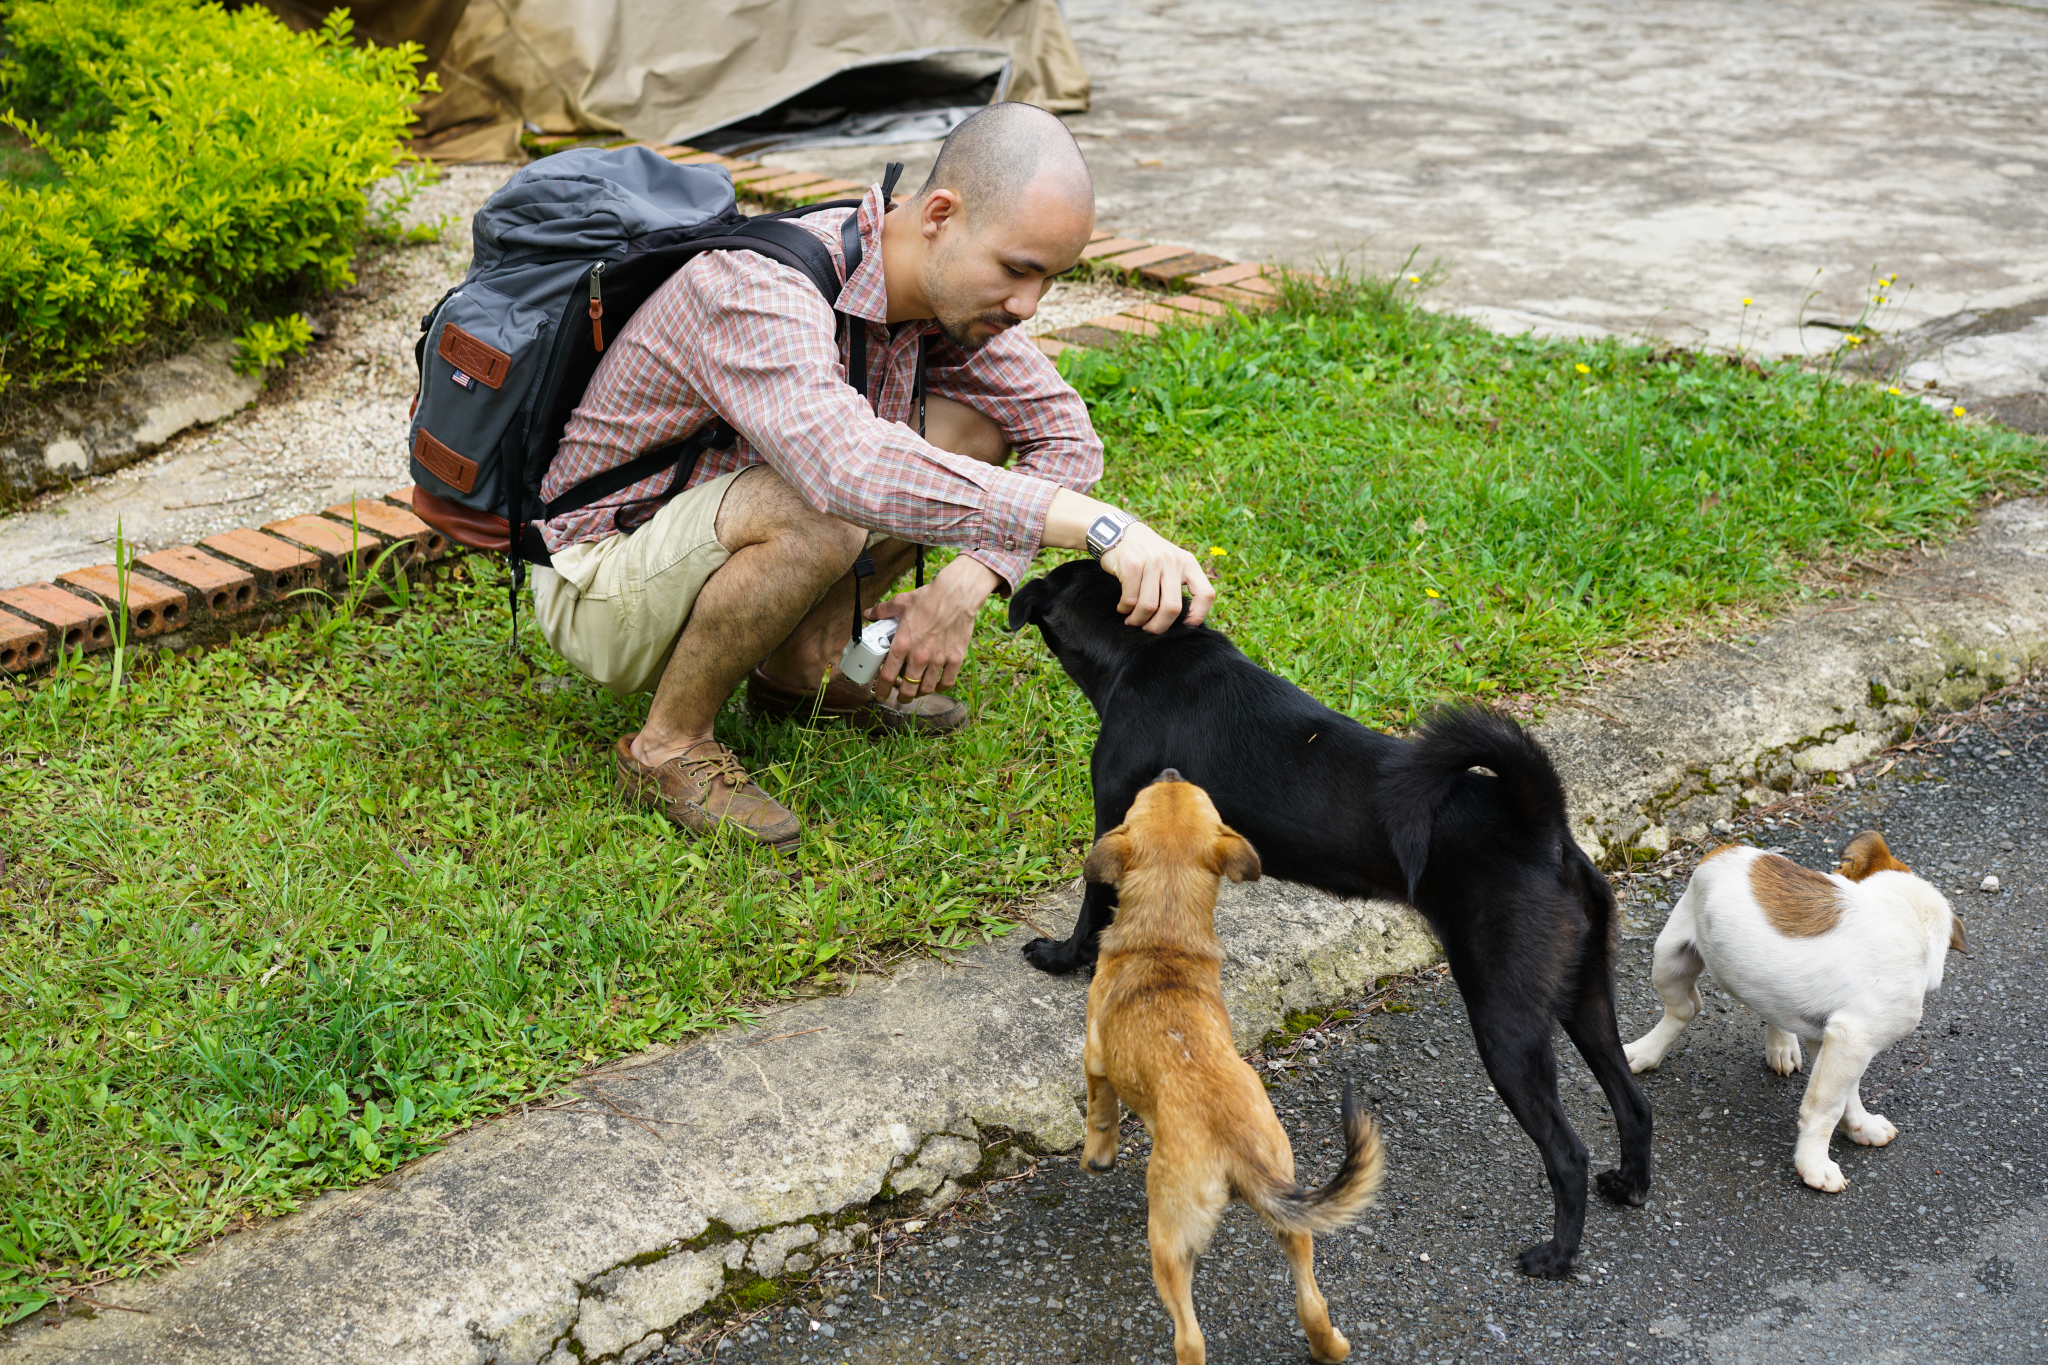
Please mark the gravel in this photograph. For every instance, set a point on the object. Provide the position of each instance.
(1935, 1251)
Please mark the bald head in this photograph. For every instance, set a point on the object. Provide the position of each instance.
(1005, 150)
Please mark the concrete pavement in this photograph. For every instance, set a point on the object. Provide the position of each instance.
(1601, 167)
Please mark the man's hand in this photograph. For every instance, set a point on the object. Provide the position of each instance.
(935, 625)
(1153, 570)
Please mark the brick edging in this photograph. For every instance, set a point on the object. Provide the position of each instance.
(251, 578)
(246, 579)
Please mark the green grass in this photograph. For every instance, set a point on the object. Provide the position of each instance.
(283, 915)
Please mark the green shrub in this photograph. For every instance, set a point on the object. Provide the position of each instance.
(264, 344)
(209, 167)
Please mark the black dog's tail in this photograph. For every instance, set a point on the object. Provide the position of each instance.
(1451, 741)
(1290, 1208)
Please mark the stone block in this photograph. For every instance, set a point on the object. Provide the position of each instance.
(279, 568)
(72, 623)
(1164, 315)
(152, 607)
(23, 644)
(756, 173)
(1051, 346)
(1082, 334)
(217, 585)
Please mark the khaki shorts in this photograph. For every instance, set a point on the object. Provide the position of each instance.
(614, 607)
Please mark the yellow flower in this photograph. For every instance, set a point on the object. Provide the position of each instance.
(1855, 340)
(1218, 551)
(1957, 410)
(1415, 279)
(1880, 299)
(1745, 303)
(1583, 369)
(1894, 389)
(1431, 592)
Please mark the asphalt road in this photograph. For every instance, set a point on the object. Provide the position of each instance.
(1934, 1252)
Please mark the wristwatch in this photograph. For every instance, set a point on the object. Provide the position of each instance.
(1106, 530)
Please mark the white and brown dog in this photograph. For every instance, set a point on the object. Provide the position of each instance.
(1843, 960)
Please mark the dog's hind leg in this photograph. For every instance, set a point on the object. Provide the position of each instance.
(1838, 1067)
(1099, 1151)
(1184, 1207)
(1676, 976)
(1325, 1343)
(1596, 1035)
(1515, 1046)
(1781, 1050)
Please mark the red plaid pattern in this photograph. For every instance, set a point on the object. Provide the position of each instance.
(742, 336)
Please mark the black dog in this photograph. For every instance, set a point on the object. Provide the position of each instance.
(1526, 920)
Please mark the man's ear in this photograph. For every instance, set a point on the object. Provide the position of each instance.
(1106, 860)
(1028, 603)
(1235, 858)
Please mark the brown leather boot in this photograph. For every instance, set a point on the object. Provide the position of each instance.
(703, 788)
(844, 699)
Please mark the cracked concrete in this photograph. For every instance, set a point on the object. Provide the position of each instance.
(578, 1234)
(1598, 168)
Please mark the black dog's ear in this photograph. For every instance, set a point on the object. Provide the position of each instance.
(1027, 603)
(1106, 860)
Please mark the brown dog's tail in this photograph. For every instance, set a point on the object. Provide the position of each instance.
(1288, 1207)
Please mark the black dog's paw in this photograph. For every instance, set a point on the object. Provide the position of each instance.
(1547, 1261)
(1051, 955)
(1621, 1189)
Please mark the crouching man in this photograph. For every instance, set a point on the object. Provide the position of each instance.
(746, 573)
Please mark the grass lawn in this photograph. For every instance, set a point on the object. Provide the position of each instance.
(282, 915)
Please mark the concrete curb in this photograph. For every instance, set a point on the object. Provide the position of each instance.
(582, 1234)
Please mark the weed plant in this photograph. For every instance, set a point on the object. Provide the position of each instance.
(292, 910)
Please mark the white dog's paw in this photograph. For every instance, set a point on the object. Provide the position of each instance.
(1784, 1058)
(1875, 1130)
(1640, 1057)
(1822, 1175)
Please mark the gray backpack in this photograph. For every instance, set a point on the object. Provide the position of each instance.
(566, 251)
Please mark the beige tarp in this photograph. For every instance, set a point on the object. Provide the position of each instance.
(666, 70)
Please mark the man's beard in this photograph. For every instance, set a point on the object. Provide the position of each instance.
(957, 330)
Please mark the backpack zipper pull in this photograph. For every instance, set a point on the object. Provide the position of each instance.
(597, 306)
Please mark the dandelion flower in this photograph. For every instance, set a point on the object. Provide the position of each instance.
(1854, 340)
(1431, 592)
(1894, 390)
(1218, 551)
(1957, 410)
(1415, 279)
(1583, 369)
(1745, 303)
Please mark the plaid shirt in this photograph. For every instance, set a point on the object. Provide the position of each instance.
(738, 335)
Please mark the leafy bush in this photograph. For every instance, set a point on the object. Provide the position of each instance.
(264, 344)
(209, 165)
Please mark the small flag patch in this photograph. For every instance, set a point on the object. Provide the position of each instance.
(463, 379)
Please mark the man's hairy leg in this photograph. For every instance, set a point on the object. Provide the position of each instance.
(802, 660)
(785, 553)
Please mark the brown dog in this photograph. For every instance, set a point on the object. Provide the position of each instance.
(1159, 1040)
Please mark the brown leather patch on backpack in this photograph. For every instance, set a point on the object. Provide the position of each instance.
(479, 360)
(1798, 901)
(447, 465)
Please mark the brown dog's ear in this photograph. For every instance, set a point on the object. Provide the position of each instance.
(1868, 853)
(1106, 860)
(1955, 934)
(1235, 858)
